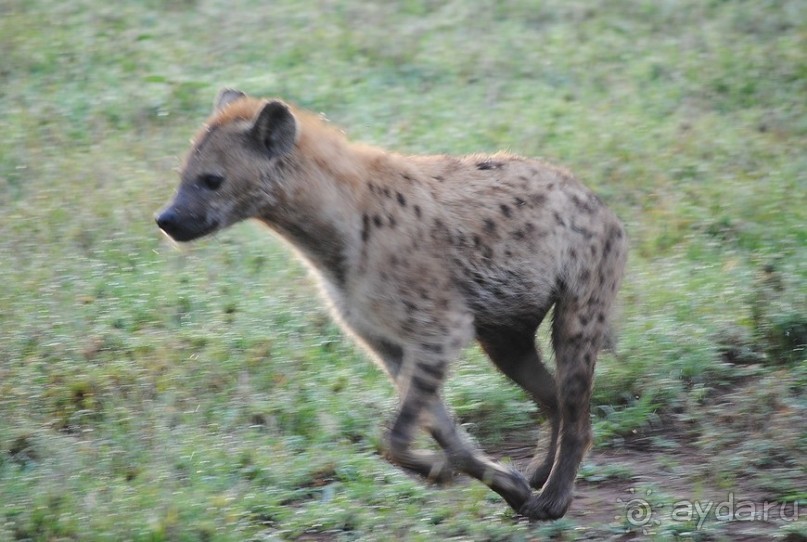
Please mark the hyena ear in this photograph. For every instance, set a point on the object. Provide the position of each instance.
(275, 128)
(226, 97)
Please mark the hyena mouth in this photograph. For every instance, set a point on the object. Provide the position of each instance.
(183, 230)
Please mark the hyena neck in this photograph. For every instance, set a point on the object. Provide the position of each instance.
(318, 210)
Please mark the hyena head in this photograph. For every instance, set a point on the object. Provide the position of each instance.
(232, 172)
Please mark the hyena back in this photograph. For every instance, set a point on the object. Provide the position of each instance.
(420, 256)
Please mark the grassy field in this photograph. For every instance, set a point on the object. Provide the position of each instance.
(151, 393)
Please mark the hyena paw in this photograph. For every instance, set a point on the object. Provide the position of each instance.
(516, 492)
(545, 506)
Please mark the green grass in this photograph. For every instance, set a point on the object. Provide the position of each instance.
(150, 393)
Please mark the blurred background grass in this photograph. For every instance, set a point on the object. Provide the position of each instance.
(150, 393)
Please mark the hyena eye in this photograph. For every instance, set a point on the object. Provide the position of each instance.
(212, 181)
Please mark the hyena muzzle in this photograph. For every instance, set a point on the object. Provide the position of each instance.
(420, 255)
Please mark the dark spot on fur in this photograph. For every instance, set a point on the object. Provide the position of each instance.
(572, 254)
(505, 210)
(615, 232)
(410, 307)
(550, 186)
(519, 202)
(508, 253)
(387, 193)
(432, 347)
(490, 225)
(393, 261)
(372, 187)
(459, 239)
(365, 228)
(407, 177)
(559, 219)
(477, 241)
(538, 199)
(401, 199)
(433, 370)
(593, 249)
(377, 221)
(518, 235)
(529, 227)
(585, 232)
(417, 211)
(439, 178)
(587, 358)
(601, 317)
(427, 386)
(585, 275)
(489, 164)
(583, 320)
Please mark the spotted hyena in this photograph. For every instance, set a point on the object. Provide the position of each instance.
(420, 255)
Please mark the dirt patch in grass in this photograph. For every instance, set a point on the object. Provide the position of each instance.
(671, 491)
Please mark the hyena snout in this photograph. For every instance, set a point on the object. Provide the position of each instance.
(184, 226)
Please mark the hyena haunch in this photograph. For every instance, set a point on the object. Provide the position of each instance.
(419, 256)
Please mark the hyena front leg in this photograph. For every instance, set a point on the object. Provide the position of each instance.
(465, 457)
(512, 348)
(419, 383)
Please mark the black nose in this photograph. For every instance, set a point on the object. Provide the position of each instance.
(182, 226)
(167, 221)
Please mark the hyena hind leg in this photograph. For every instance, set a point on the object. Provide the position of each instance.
(512, 349)
(576, 339)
